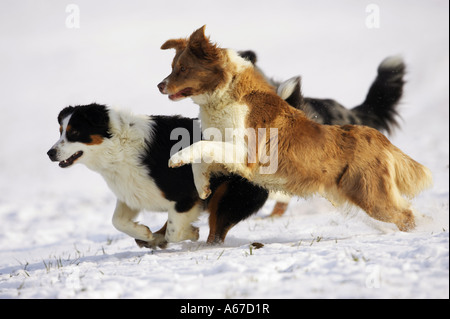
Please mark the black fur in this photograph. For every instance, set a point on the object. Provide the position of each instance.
(86, 120)
(240, 200)
(378, 110)
(177, 184)
(249, 55)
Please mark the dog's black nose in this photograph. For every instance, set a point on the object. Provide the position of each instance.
(52, 154)
(161, 86)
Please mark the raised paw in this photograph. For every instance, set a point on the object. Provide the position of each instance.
(177, 161)
(181, 158)
(205, 192)
(188, 155)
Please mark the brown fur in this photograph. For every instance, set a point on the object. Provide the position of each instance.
(218, 225)
(279, 209)
(347, 164)
(95, 139)
(193, 59)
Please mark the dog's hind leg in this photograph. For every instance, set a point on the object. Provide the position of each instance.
(379, 197)
(281, 204)
(385, 210)
(230, 204)
(219, 224)
(123, 220)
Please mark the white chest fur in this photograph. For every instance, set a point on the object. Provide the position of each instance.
(118, 160)
(132, 185)
(229, 117)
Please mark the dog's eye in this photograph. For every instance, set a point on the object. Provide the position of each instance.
(74, 133)
(183, 69)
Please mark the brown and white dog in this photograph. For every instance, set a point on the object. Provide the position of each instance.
(378, 110)
(242, 116)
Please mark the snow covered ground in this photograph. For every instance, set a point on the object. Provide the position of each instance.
(56, 236)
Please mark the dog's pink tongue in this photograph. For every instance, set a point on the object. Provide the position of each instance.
(181, 94)
(175, 96)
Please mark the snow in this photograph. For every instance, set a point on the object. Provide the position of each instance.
(56, 236)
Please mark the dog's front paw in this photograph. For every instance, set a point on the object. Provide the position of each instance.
(158, 240)
(181, 158)
(176, 162)
(205, 192)
(188, 233)
(193, 234)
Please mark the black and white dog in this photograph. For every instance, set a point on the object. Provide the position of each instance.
(379, 109)
(131, 153)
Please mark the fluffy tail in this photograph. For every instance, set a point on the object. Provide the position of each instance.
(411, 177)
(379, 108)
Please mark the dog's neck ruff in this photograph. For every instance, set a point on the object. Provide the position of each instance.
(224, 95)
(129, 137)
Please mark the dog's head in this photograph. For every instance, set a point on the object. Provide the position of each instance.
(196, 69)
(82, 128)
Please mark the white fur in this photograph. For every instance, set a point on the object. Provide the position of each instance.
(64, 148)
(117, 159)
(219, 111)
(286, 88)
(204, 154)
(391, 62)
(237, 61)
(280, 197)
(179, 225)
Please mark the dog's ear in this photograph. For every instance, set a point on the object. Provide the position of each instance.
(201, 47)
(63, 114)
(249, 55)
(96, 115)
(291, 92)
(177, 44)
(199, 35)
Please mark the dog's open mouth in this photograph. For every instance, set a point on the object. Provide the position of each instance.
(70, 160)
(181, 94)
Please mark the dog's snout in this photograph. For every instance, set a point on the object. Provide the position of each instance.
(162, 87)
(52, 154)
